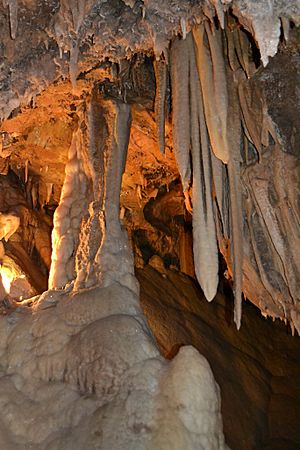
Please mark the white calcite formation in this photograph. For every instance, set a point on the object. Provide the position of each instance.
(81, 371)
(80, 368)
(68, 215)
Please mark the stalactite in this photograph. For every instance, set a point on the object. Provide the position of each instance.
(113, 261)
(244, 45)
(253, 132)
(214, 120)
(161, 72)
(116, 163)
(73, 65)
(204, 231)
(13, 16)
(231, 51)
(9, 223)
(255, 223)
(241, 47)
(34, 195)
(225, 140)
(183, 27)
(220, 183)
(49, 188)
(236, 238)
(26, 171)
(78, 10)
(285, 28)
(218, 77)
(219, 8)
(181, 112)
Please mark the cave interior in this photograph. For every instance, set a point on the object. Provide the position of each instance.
(149, 224)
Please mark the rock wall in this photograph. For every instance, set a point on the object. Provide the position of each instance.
(256, 367)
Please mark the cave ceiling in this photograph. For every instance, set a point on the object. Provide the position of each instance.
(55, 54)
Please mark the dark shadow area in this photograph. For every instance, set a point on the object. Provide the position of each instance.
(257, 368)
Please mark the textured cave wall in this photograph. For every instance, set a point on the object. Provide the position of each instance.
(106, 44)
(270, 180)
(73, 36)
(117, 48)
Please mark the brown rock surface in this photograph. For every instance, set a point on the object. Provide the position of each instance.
(257, 368)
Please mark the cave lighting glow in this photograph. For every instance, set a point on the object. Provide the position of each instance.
(8, 277)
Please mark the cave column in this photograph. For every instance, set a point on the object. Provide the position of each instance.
(89, 245)
(114, 259)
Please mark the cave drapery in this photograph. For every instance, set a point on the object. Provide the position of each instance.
(210, 63)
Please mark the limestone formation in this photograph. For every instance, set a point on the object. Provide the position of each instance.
(138, 133)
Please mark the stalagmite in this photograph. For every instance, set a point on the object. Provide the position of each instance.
(68, 215)
(181, 112)
(161, 72)
(214, 121)
(204, 231)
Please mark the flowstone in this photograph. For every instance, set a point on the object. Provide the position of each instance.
(83, 371)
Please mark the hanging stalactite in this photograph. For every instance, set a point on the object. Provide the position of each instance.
(236, 214)
(161, 72)
(204, 230)
(206, 103)
(218, 82)
(181, 108)
(214, 115)
(221, 192)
